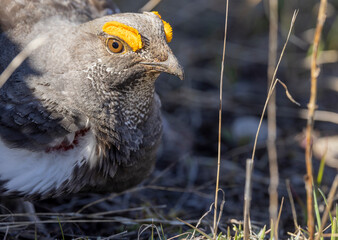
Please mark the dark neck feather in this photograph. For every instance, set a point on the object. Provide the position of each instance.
(119, 113)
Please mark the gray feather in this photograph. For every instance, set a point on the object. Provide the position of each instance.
(72, 83)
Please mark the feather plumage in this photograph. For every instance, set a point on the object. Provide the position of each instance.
(74, 116)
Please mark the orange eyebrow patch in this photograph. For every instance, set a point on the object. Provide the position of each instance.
(167, 28)
(128, 34)
(157, 14)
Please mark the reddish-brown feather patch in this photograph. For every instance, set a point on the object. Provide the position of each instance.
(64, 146)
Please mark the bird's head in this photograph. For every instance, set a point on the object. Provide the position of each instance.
(130, 46)
(121, 58)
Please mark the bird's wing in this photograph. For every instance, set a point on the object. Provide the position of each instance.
(34, 128)
(28, 12)
(40, 144)
(26, 122)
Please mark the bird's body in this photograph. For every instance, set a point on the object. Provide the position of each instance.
(81, 113)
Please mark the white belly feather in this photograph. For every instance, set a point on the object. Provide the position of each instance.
(39, 172)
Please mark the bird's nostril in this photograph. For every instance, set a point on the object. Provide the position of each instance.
(161, 57)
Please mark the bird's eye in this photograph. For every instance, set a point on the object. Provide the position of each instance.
(114, 46)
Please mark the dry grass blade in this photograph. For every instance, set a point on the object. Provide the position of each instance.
(273, 84)
(324, 116)
(247, 198)
(21, 57)
(179, 235)
(312, 106)
(271, 113)
(150, 5)
(293, 208)
(143, 208)
(71, 215)
(332, 236)
(6, 233)
(328, 207)
(288, 93)
(200, 220)
(221, 207)
(271, 89)
(147, 226)
(114, 236)
(278, 218)
(198, 230)
(4, 225)
(220, 119)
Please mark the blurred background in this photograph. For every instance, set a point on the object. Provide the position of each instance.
(191, 107)
(183, 182)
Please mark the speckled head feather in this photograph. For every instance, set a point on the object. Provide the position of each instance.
(167, 27)
(82, 113)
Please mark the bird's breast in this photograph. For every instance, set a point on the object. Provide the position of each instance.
(42, 173)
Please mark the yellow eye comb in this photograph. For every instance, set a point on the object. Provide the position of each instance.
(128, 34)
(167, 28)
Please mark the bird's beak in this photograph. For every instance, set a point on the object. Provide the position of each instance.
(170, 66)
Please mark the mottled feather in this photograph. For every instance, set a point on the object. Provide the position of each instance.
(75, 117)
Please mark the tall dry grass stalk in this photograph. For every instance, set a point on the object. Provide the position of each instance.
(310, 120)
(247, 198)
(220, 120)
(293, 208)
(150, 5)
(270, 92)
(273, 84)
(271, 115)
